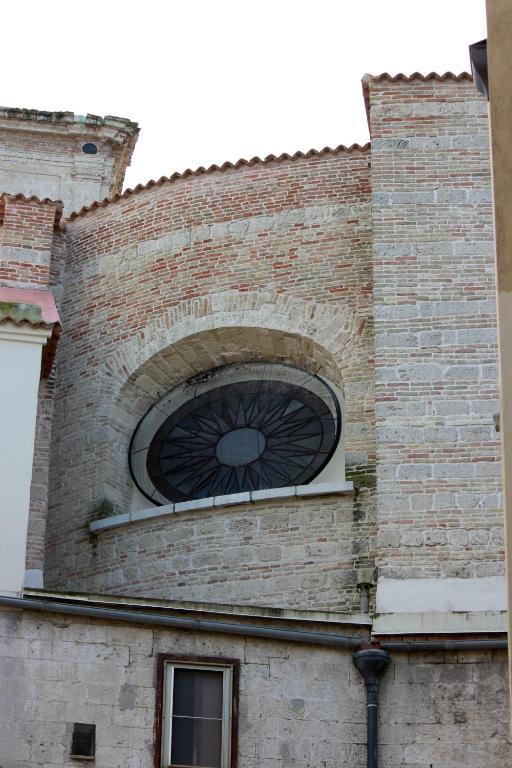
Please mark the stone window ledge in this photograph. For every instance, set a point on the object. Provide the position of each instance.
(127, 518)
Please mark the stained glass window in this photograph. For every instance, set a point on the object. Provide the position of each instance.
(235, 429)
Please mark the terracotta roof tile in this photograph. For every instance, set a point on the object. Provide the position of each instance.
(31, 199)
(35, 309)
(219, 168)
(28, 306)
(400, 77)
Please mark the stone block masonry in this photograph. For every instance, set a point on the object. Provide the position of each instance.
(300, 705)
(439, 506)
(285, 260)
(371, 267)
(41, 154)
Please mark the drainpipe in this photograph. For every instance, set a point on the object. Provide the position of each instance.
(444, 645)
(371, 663)
(365, 581)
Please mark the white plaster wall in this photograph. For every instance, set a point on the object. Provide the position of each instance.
(20, 367)
(439, 595)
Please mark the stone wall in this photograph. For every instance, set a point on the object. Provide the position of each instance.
(300, 705)
(435, 346)
(41, 154)
(445, 710)
(269, 261)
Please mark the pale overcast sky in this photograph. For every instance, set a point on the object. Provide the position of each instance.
(216, 80)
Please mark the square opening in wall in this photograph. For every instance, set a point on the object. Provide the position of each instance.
(84, 741)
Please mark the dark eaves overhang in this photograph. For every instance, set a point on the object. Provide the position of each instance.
(478, 57)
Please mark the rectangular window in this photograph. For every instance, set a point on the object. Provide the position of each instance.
(197, 712)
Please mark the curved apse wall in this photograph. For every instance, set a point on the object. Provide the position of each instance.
(268, 263)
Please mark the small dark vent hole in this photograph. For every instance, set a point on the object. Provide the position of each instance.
(84, 740)
(89, 148)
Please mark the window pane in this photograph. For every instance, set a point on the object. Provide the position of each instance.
(197, 693)
(196, 742)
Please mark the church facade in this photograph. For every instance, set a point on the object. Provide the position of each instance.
(250, 459)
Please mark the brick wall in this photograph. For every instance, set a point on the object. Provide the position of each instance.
(26, 229)
(270, 261)
(36, 534)
(298, 554)
(435, 344)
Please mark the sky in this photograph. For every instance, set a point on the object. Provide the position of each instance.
(216, 80)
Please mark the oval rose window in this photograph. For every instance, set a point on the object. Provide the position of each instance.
(233, 429)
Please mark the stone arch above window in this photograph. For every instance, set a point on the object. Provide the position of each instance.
(205, 333)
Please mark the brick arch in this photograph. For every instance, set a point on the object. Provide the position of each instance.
(324, 327)
(204, 333)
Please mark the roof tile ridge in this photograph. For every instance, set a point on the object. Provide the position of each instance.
(401, 77)
(228, 165)
(24, 323)
(31, 199)
(59, 205)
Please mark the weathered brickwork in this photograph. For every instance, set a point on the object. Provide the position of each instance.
(300, 705)
(36, 533)
(26, 232)
(267, 262)
(435, 344)
(273, 261)
(275, 554)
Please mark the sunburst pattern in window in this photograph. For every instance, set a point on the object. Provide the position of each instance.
(243, 436)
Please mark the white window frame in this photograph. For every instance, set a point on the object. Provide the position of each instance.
(167, 707)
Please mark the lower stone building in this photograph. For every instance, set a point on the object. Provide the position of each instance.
(250, 473)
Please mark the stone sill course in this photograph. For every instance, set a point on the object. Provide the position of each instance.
(127, 518)
(265, 614)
